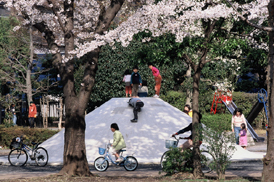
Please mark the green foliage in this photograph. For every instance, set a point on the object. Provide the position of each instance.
(205, 97)
(33, 134)
(13, 47)
(8, 122)
(161, 50)
(176, 99)
(221, 121)
(14, 60)
(219, 143)
(177, 161)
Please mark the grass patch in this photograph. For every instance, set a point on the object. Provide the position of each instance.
(260, 131)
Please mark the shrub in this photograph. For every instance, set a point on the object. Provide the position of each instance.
(177, 161)
(220, 121)
(219, 143)
(176, 99)
(33, 134)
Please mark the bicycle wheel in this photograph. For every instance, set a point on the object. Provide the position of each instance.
(206, 161)
(41, 156)
(17, 157)
(101, 164)
(163, 158)
(131, 163)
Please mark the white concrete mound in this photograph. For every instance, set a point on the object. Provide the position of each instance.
(144, 139)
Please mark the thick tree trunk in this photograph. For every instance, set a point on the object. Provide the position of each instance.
(268, 161)
(74, 159)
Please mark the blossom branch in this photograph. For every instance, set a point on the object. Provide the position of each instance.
(268, 29)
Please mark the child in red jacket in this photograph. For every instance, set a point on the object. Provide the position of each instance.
(157, 78)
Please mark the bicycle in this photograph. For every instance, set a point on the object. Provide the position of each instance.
(101, 164)
(19, 155)
(206, 157)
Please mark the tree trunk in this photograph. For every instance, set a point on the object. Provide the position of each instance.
(197, 171)
(268, 160)
(28, 76)
(221, 174)
(75, 161)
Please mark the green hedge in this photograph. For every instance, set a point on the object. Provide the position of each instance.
(220, 121)
(33, 134)
(176, 99)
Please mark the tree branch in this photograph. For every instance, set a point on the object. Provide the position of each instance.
(188, 60)
(55, 11)
(106, 16)
(268, 29)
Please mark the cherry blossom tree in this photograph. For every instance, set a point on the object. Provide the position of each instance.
(65, 25)
(255, 14)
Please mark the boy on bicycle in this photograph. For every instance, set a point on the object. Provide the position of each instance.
(118, 141)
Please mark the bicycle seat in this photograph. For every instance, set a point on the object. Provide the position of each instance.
(123, 150)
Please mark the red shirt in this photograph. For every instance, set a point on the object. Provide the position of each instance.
(32, 110)
(155, 71)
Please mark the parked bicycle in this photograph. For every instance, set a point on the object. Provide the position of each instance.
(19, 155)
(206, 157)
(101, 164)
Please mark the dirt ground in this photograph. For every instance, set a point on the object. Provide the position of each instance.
(176, 177)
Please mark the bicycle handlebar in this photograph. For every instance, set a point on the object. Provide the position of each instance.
(180, 138)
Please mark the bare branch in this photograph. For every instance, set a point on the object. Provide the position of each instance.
(41, 71)
(42, 88)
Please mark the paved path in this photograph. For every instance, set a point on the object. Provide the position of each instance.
(247, 169)
(251, 170)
